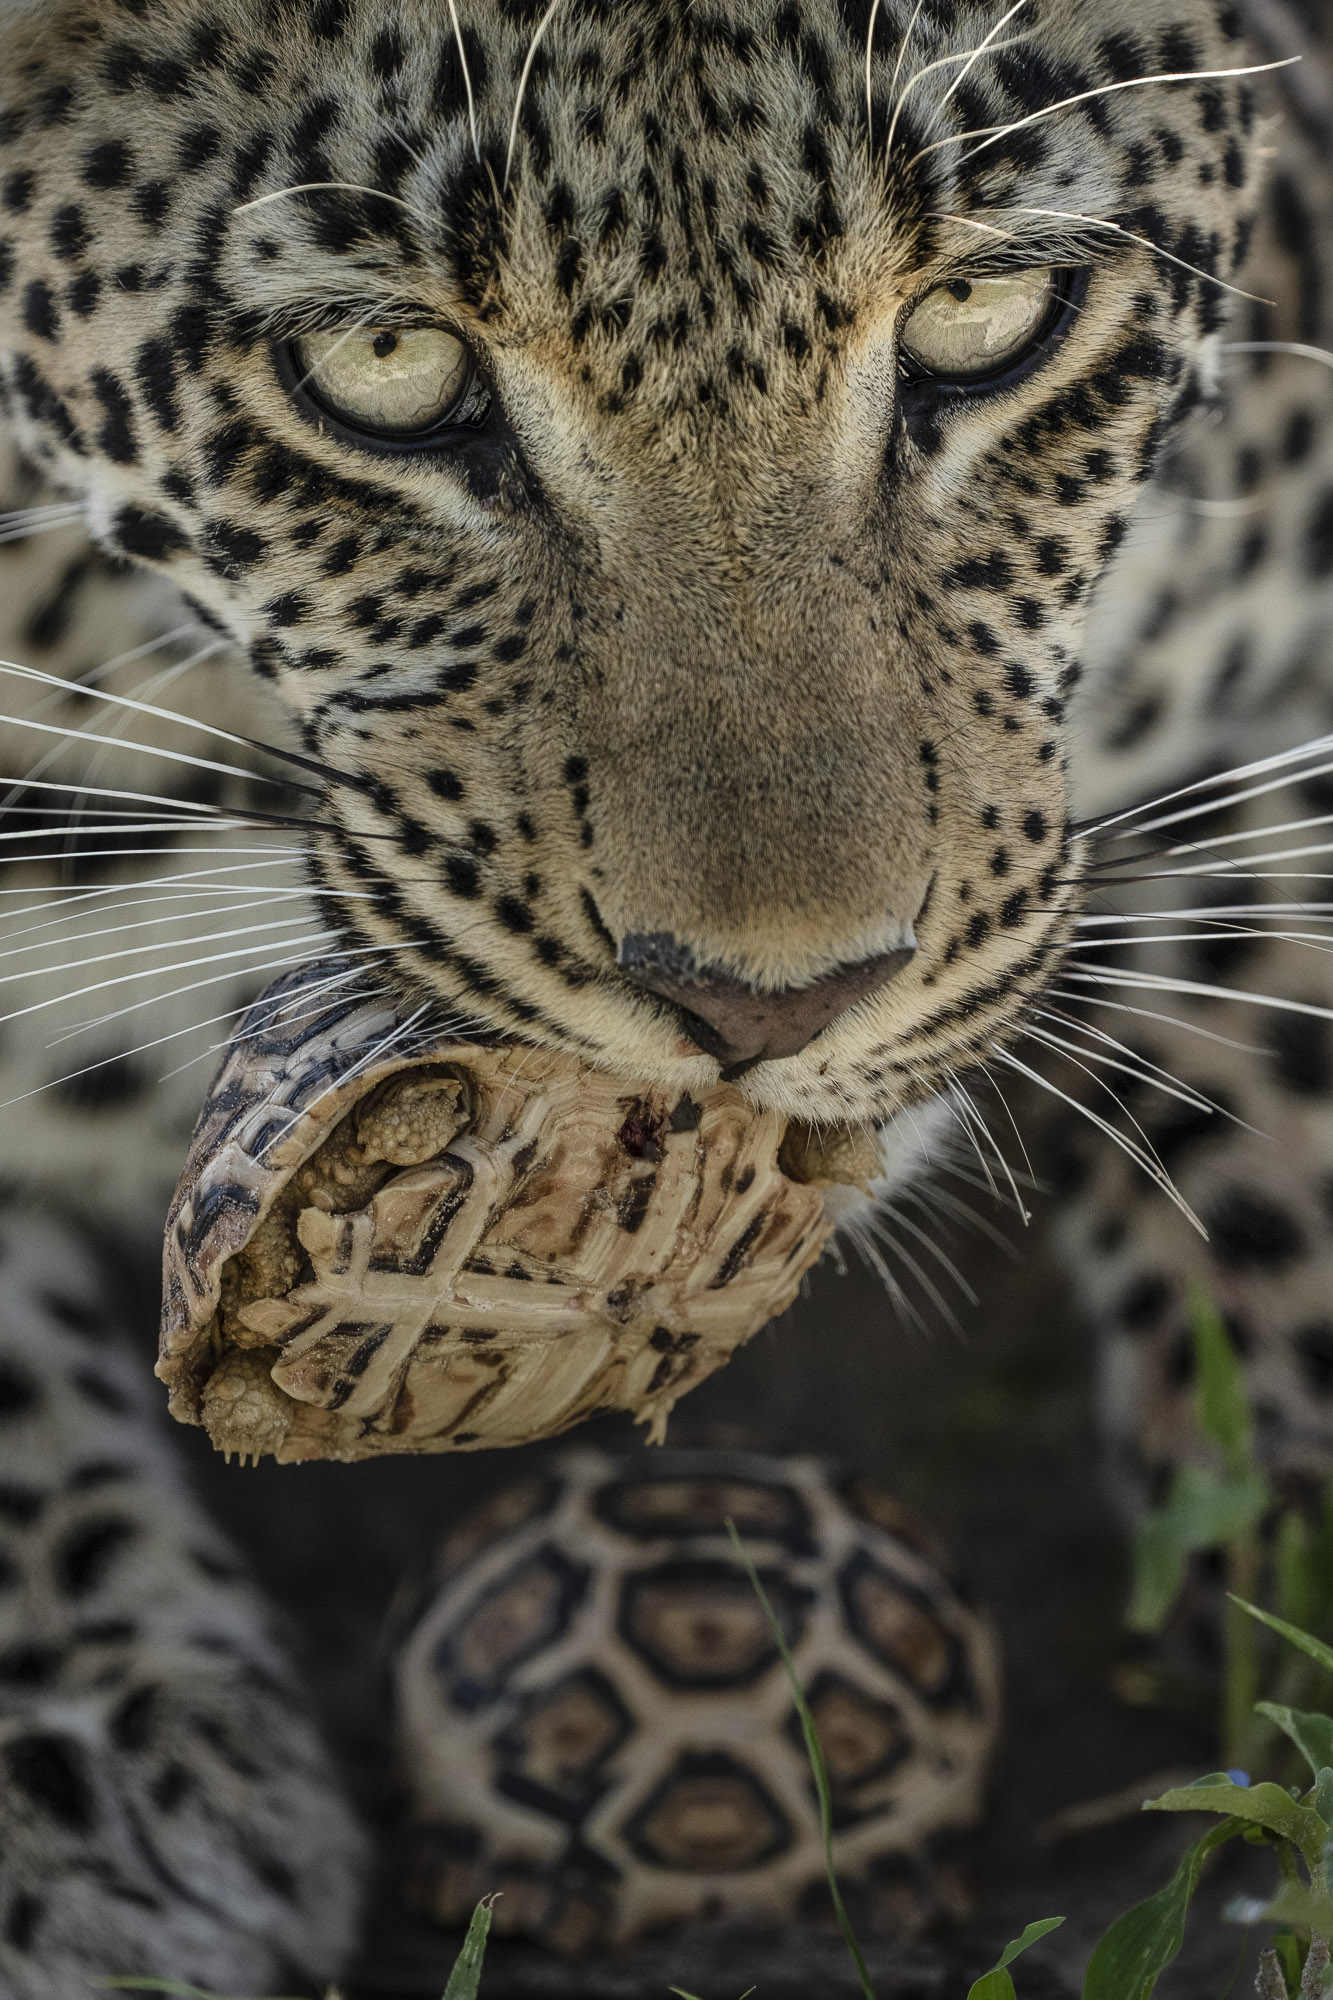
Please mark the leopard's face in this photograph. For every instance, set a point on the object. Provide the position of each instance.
(665, 476)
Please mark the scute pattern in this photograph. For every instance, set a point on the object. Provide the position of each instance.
(594, 1718)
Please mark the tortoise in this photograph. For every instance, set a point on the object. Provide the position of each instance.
(593, 1719)
(393, 1238)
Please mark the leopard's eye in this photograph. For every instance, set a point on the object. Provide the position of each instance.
(970, 328)
(398, 384)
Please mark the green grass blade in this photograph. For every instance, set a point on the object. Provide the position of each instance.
(1223, 1412)
(466, 1975)
(1312, 1734)
(814, 1752)
(1305, 1641)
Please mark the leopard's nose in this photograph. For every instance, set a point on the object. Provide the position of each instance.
(739, 1024)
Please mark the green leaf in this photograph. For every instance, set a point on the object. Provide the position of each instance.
(1159, 1572)
(1139, 1946)
(1295, 1569)
(814, 1752)
(1323, 1796)
(1312, 1734)
(1268, 1806)
(996, 1984)
(1220, 1403)
(1298, 1907)
(1210, 1510)
(1288, 1954)
(466, 1975)
(1204, 1510)
(1307, 1643)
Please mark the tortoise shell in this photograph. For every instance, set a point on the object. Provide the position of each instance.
(593, 1718)
(388, 1239)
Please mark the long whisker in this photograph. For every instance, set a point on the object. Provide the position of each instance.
(1139, 1074)
(1099, 829)
(72, 901)
(991, 135)
(26, 521)
(524, 75)
(138, 951)
(1296, 347)
(336, 187)
(903, 47)
(1149, 1014)
(980, 51)
(967, 56)
(870, 52)
(313, 949)
(1007, 1109)
(1153, 1167)
(467, 80)
(891, 1218)
(1146, 243)
(1162, 982)
(1143, 1063)
(960, 1095)
(293, 757)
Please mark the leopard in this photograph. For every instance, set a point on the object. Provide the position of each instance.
(789, 539)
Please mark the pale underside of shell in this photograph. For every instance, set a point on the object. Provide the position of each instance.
(387, 1240)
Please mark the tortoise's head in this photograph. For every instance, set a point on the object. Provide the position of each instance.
(660, 455)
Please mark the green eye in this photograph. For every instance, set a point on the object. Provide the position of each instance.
(974, 327)
(392, 382)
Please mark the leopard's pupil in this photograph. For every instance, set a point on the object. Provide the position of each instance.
(384, 344)
(960, 290)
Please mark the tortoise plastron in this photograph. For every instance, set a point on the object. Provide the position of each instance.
(390, 1240)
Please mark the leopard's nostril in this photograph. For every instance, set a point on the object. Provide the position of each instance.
(739, 1024)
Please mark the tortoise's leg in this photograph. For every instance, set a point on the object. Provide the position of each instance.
(165, 1805)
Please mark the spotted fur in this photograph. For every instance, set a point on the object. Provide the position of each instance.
(720, 628)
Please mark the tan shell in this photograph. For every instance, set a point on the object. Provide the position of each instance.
(388, 1241)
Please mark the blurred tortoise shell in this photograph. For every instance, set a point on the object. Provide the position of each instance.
(388, 1239)
(593, 1718)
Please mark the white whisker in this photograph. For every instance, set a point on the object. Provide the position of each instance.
(980, 51)
(967, 56)
(467, 80)
(232, 957)
(164, 715)
(338, 187)
(1148, 1014)
(1143, 1158)
(1146, 243)
(1281, 760)
(521, 91)
(289, 959)
(1162, 982)
(1296, 347)
(991, 135)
